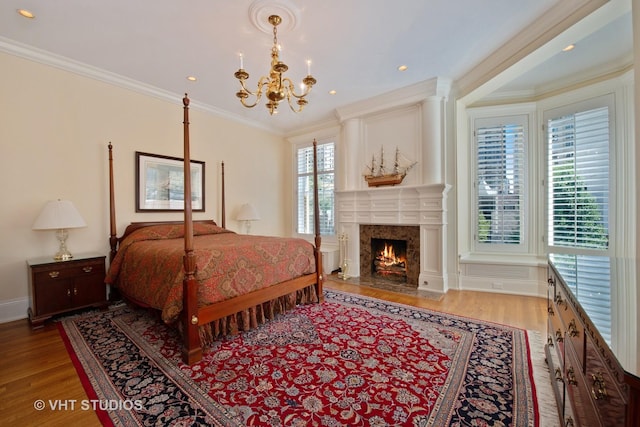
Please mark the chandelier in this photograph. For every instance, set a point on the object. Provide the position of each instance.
(275, 86)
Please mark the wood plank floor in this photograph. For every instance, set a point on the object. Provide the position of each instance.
(34, 365)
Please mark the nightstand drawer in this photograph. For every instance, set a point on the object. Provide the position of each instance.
(52, 273)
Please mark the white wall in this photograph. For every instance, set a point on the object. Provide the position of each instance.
(55, 127)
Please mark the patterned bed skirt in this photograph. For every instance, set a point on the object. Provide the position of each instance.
(254, 316)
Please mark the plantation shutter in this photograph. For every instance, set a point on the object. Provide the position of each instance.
(589, 278)
(499, 184)
(579, 179)
(578, 208)
(326, 174)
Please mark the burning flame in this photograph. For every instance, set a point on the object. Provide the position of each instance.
(388, 256)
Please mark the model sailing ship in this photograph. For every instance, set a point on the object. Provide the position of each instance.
(377, 175)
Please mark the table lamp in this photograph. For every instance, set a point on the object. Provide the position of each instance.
(59, 215)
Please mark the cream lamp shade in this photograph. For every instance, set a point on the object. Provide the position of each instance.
(59, 215)
(247, 214)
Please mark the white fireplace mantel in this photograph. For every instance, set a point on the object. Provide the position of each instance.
(422, 205)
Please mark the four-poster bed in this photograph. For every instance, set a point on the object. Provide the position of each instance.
(221, 281)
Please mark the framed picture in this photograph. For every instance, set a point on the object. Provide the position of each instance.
(160, 183)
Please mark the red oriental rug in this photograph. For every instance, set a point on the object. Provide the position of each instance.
(351, 361)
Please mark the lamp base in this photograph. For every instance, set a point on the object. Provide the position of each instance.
(63, 253)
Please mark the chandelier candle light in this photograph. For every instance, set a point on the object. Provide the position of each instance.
(276, 87)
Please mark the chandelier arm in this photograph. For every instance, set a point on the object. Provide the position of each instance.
(258, 94)
(292, 89)
(293, 108)
(301, 102)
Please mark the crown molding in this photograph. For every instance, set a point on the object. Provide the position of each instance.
(434, 87)
(31, 53)
(556, 20)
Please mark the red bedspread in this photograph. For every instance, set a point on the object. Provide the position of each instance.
(149, 265)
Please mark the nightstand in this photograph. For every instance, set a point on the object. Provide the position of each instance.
(57, 287)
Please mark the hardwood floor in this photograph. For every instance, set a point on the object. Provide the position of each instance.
(36, 366)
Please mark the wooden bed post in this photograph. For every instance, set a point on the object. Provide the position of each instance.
(113, 237)
(192, 349)
(224, 209)
(316, 217)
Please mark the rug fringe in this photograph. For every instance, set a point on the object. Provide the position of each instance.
(547, 406)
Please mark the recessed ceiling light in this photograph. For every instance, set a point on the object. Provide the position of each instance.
(402, 68)
(191, 78)
(26, 13)
(568, 48)
(332, 92)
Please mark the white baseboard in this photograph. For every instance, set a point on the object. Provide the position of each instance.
(13, 309)
(504, 286)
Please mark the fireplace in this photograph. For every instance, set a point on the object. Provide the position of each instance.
(390, 252)
(389, 259)
(416, 214)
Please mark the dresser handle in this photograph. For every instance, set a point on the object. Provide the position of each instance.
(599, 388)
(68, 292)
(573, 329)
(87, 269)
(568, 422)
(571, 376)
(54, 274)
(559, 375)
(559, 336)
(75, 291)
(560, 301)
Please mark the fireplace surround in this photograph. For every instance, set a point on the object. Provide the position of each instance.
(421, 207)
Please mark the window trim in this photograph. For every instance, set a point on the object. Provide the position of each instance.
(526, 113)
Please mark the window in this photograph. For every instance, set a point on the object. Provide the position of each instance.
(500, 182)
(578, 176)
(578, 166)
(305, 193)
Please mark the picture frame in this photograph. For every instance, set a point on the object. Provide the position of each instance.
(160, 183)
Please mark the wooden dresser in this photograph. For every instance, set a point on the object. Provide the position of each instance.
(590, 385)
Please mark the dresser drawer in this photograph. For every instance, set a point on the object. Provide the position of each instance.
(572, 324)
(606, 390)
(556, 329)
(579, 395)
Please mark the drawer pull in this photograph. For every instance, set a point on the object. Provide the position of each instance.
(559, 337)
(75, 291)
(560, 301)
(571, 376)
(549, 341)
(68, 292)
(568, 422)
(573, 329)
(550, 310)
(559, 375)
(54, 274)
(599, 389)
(87, 269)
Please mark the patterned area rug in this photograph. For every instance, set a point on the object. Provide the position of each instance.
(351, 361)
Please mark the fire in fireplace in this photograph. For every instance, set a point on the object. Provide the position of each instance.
(389, 259)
